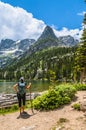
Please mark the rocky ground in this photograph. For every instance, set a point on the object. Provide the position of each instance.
(65, 118)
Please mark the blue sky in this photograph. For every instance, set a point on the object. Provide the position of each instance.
(63, 15)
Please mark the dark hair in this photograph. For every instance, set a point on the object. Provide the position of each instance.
(22, 79)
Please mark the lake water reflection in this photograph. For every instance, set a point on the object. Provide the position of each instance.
(37, 86)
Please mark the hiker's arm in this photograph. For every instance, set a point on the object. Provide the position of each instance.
(15, 87)
(27, 87)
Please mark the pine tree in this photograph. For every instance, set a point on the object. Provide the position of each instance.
(80, 55)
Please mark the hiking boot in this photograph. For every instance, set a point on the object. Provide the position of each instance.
(24, 112)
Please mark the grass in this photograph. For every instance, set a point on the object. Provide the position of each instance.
(9, 110)
(62, 120)
(60, 124)
(13, 108)
(76, 106)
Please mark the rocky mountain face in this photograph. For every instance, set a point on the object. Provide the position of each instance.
(10, 49)
(10, 45)
(68, 40)
(47, 33)
(6, 44)
(60, 41)
(46, 40)
(49, 39)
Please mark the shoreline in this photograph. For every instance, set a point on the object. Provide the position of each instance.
(7, 100)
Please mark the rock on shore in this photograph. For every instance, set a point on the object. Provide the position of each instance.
(7, 100)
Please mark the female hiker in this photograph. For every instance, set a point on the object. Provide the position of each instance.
(20, 89)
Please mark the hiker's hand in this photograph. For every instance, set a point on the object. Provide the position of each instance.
(29, 84)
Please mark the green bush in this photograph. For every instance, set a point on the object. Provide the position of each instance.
(62, 120)
(66, 90)
(76, 106)
(47, 101)
(14, 108)
(54, 98)
(9, 110)
(66, 99)
(80, 87)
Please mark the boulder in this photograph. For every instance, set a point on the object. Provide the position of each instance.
(83, 104)
(7, 100)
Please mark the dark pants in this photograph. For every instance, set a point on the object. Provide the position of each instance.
(21, 99)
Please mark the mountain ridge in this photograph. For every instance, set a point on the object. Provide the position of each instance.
(49, 39)
(14, 49)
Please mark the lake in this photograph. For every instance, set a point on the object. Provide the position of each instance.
(37, 86)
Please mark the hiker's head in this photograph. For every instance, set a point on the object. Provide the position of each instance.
(22, 79)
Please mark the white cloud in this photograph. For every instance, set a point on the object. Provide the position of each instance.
(82, 13)
(76, 33)
(16, 23)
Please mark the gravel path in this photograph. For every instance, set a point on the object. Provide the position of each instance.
(74, 120)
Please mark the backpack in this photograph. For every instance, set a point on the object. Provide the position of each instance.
(21, 88)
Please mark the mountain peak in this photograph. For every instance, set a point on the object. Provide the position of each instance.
(48, 32)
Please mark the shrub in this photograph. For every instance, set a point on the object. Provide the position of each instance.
(14, 107)
(66, 90)
(62, 120)
(47, 101)
(9, 110)
(80, 86)
(76, 106)
(54, 98)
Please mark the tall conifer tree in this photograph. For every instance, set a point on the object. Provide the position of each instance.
(80, 55)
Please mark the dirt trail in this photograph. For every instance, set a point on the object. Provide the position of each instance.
(46, 120)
